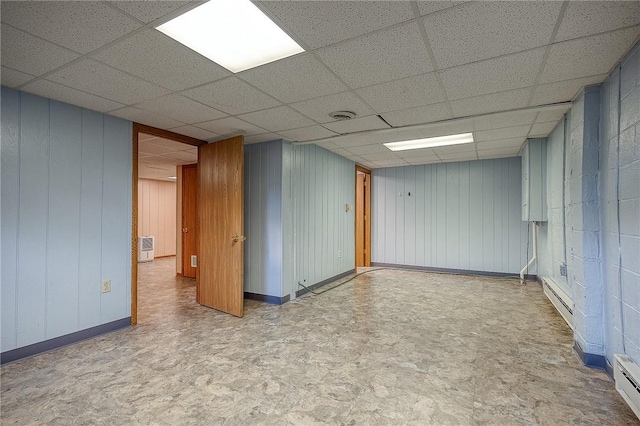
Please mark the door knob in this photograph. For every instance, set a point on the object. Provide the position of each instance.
(238, 238)
(185, 230)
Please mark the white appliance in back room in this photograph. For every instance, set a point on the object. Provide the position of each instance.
(145, 249)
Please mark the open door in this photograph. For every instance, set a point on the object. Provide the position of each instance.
(189, 225)
(220, 220)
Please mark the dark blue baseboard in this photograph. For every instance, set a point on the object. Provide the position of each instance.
(324, 282)
(591, 360)
(274, 300)
(453, 271)
(58, 342)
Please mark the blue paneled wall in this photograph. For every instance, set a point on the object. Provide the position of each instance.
(456, 215)
(66, 218)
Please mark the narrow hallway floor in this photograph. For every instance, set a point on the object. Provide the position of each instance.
(389, 347)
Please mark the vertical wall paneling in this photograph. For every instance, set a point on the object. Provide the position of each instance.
(10, 214)
(157, 210)
(90, 276)
(32, 231)
(263, 269)
(66, 219)
(116, 218)
(465, 216)
(63, 232)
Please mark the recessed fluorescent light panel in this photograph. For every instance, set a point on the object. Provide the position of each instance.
(232, 33)
(430, 142)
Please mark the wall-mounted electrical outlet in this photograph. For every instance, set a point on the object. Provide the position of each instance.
(563, 270)
(339, 253)
(194, 261)
(106, 286)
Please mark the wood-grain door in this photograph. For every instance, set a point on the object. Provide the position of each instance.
(219, 275)
(189, 225)
(363, 217)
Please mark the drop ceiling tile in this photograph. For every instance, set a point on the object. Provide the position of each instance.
(98, 79)
(371, 122)
(387, 55)
(552, 115)
(167, 143)
(422, 160)
(232, 96)
(149, 148)
(504, 143)
(23, 52)
(161, 159)
(401, 94)
(417, 153)
(504, 119)
(587, 56)
(320, 23)
(563, 91)
(181, 108)
(442, 129)
(461, 149)
(464, 156)
(318, 109)
(493, 75)
(277, 119)
(51, 90)
(370, 149)
(428, 7)
(294, 79)
(154, 57)
(542, 130)
(327, 145)
(495, 102)
(231, 126)
(265, 137)
(341, 152)
(498, 153)
(379, 156)
(354, 158)
(307, 133)
(390, 163)
(145, 117)
(87, 25)
(418, 115)
(148, 11)
(182, 156)
(194, 132)
(14, 78)
(592, 17)
(482, 30)
(505, 133)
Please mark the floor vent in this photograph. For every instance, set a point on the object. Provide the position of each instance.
(626, 374)
(560, 300)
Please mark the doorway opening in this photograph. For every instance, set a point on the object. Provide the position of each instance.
(363, 217)
(159, 159)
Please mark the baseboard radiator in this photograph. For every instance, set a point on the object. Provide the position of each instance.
(559, 299)
(626, 374)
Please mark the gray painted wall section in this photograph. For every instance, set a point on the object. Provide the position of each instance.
(263, 272)
(463, 215)
(620, 198)
(322, 183)
(66, 218)
(583, 236)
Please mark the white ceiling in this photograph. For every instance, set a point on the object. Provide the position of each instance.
(412, 63)
(158, 157)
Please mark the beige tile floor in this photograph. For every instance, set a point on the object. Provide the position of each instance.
(390, 347)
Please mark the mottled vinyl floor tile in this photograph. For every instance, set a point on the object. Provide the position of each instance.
(391, 347)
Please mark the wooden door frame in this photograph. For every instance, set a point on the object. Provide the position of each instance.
(195, 166)
(367, 213)
(166, 134)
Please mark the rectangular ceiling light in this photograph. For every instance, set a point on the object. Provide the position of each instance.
(430, 142)
(232, 33)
